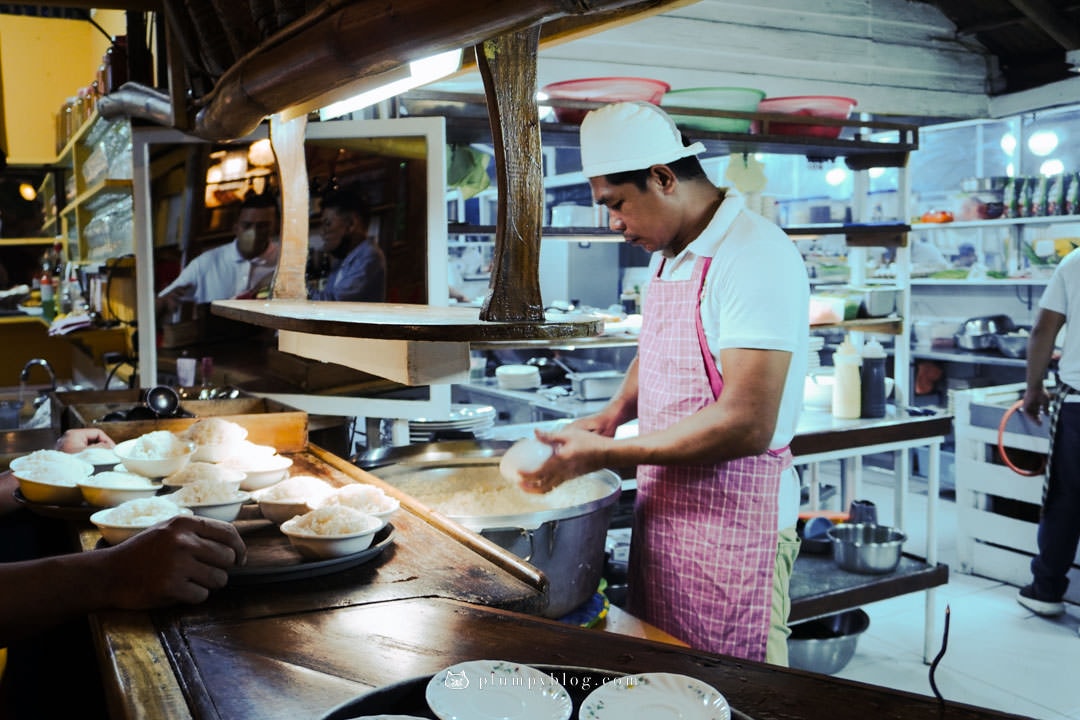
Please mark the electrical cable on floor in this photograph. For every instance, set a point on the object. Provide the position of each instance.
(941, 654)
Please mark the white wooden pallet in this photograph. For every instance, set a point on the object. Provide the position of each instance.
(990, 543)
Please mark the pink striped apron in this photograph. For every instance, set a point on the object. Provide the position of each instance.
(703, 546)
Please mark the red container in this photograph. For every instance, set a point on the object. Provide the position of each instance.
(603, 90)
(827, 106)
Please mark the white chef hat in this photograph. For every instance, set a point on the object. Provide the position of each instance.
(630, 136)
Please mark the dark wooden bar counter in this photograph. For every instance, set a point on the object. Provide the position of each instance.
(299, 648)
(303, 664)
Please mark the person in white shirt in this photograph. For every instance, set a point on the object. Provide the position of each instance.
(235, 269)
(1059, 520)
(716, 388)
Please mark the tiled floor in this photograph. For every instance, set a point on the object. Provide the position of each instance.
(999, 654)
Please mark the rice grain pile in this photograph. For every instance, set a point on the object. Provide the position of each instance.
(157, 445)
(331, 520)
(142, 512)
(114, 479)
(98, 456)
(481, 491)
(215, 431)
(205, 491)
(51, 466)
(298, 489)
(198, 470)
(365, 498)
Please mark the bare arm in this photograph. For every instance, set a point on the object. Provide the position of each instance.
(177, 561)
(620, 409)
(740, 423)
(1040, 348)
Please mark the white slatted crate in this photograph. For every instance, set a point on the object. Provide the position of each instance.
(997, 509)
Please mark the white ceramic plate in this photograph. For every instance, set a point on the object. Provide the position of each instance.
(497, 690)
(657, 696)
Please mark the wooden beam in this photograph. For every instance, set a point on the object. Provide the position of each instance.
(1050, 21)
(571, 27)
(136, 5)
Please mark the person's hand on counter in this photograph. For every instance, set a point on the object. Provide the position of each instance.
(177, 561)
(78, 439)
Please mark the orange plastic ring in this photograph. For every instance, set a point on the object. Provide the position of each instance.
(1001, 444)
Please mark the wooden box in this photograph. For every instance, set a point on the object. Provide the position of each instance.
(268, 422)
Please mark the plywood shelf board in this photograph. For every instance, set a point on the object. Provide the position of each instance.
(388, 321)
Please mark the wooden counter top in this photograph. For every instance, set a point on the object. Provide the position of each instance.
(387, 321)
(302, 665)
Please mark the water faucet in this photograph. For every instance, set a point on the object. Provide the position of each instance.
(25, 374)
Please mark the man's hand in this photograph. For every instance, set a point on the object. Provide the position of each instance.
(576, 452)
(177, 561)
(78, 439)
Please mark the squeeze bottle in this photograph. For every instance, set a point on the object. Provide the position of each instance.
(846, 386)
(872, 380)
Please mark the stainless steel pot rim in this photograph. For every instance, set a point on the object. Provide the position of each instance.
(534, 520)
(471, 453)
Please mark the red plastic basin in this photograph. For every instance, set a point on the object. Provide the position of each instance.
(604, 90)
(827, 106)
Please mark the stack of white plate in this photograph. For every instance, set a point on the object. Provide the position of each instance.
(476, 419)
(813, 361)
(518, 377)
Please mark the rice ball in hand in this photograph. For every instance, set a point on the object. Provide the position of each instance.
(526, 455)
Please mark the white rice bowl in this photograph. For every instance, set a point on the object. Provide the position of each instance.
(259, 472)
(292, 496)
(129, 518)
(365, 498)
(332, 531)
(102, 458)
(111, 488)
(215, 438)
(211, 498)
(51, 477)
(155, 454)
(197, 470)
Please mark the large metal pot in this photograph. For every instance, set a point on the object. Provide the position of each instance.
(566, 544)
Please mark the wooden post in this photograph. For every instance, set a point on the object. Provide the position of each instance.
(287, 140)
(507, 64)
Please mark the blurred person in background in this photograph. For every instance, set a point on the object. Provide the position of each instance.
(358, 266)
(240, 268)
(1058, 534)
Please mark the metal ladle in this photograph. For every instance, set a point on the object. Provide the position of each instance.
(163, 400)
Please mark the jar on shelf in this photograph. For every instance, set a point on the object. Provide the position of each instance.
(116, 64)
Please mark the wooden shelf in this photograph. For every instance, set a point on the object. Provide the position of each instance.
(101, 193)
(17, 242)
(859, 153)
(388, 321)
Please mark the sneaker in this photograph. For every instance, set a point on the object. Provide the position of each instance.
(1046, 608)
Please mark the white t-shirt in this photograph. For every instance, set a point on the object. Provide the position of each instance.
(217, 274)
(756, 295)
(1062, 295)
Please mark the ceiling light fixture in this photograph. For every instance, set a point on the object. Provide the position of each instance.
(27, 192)
(395, 82)
(1043, 142)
